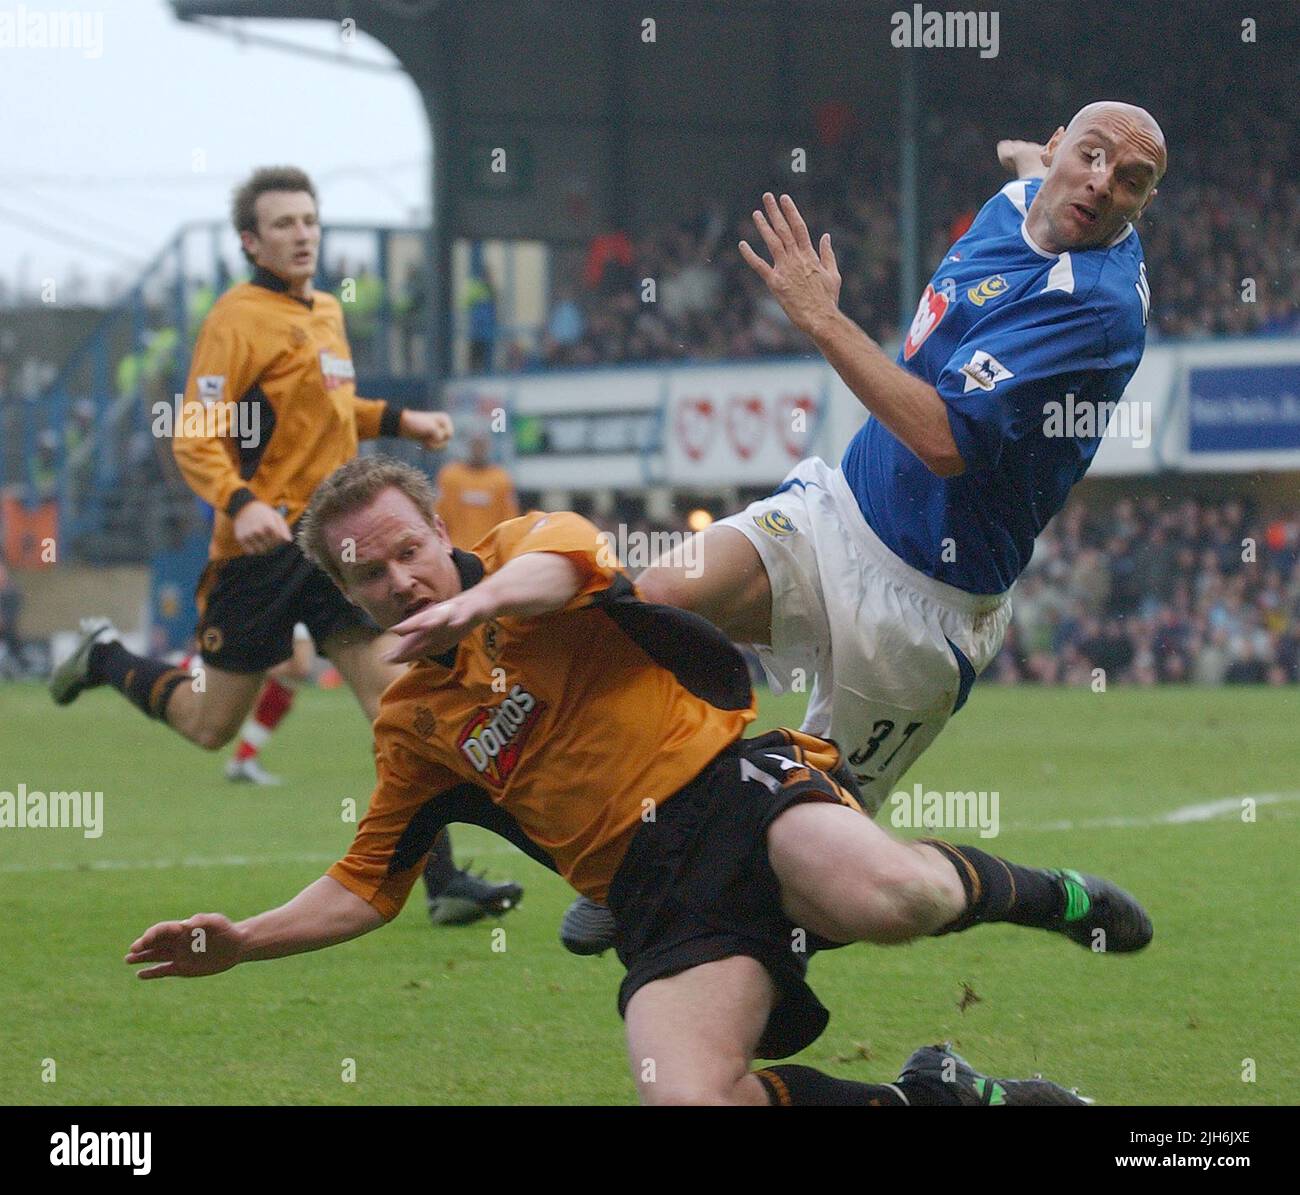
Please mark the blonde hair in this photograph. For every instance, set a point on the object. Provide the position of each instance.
(353, 487)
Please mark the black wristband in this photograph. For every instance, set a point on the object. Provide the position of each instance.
(390, 422)
(239, 499)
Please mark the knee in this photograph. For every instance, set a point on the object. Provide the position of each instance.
(904, 900)
(213, 738)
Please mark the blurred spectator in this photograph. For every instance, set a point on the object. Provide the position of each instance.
(1158, 593)
(480, 301)
(13, 659)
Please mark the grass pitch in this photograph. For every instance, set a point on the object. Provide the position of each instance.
(1132, 784)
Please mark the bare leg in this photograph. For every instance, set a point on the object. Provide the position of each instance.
(210, 709)
(691, 1037)
(723, 579)
(358, 657)
(297, 668)
(844, 878)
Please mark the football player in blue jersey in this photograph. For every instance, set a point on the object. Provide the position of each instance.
(886, 581)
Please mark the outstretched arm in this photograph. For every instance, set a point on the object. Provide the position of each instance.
(532, 584)
(322, 914)
(806, 282)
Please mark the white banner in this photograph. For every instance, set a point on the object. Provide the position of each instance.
(749, 423)
(738, 426)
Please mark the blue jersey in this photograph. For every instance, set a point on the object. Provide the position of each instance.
(1004, 332)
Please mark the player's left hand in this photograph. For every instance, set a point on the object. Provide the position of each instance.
(432, 429)
(804, 280)
(437, 628)
(204, 944)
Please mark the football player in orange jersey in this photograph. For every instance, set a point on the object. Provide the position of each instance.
(271, 358)
(602, 735)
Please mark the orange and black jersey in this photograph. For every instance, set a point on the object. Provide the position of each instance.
(562, 732)
(290, 357)
(473, 501)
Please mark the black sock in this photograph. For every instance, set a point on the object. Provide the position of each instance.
(146, 683)
(997, 890)
(799, 1086)
(439, 869)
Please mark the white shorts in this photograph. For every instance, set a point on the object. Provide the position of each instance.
(875, 640)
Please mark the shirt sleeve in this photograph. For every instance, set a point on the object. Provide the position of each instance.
(568, 535)
(224, 368)
(376, 418)
(387, 855)
(1003, 373)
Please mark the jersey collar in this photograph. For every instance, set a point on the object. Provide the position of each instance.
(264, 277)
(1037, 248)
(471, 570)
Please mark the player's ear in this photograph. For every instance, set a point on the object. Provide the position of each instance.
(1146, 203)
(249, 242)
(1053, 142)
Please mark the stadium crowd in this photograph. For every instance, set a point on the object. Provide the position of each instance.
(1153, 591)
(1216, 240)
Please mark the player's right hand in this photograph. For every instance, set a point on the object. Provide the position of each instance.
(204, 944)
(260, 528)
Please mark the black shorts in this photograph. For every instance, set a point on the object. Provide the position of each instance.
(248, 606)
(696, 886)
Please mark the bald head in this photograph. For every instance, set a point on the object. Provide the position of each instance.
(1134, 123)
(1102, 171)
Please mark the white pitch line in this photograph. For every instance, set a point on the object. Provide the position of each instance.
(1205, 811)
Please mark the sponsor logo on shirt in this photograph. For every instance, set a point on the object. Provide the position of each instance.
(493, 739)
(929, 313)
(984, 371)
(335, 370)
(990, 288)
(211, 387)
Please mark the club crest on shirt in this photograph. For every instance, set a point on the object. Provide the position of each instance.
(775, 523)
(985, 371)
(929, 314)
(493, 739)
(423, 722)
(990, 288)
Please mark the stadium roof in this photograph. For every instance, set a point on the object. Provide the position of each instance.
(605, 125)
